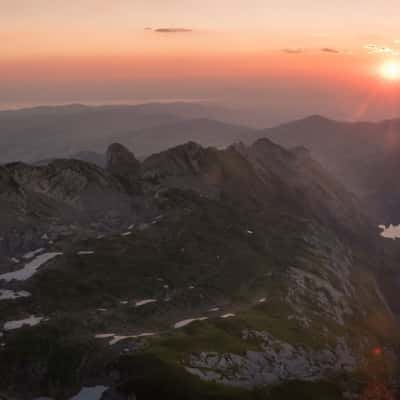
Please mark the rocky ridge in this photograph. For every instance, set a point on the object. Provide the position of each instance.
(259, 234)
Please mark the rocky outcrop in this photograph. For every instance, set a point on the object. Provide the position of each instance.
(277, 362)
(265, 173)
(46, 200)
(188, 166)
(189, 160)
(123, 165)
(322, 300)
(72, 182)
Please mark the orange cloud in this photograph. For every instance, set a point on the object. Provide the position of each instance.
(329, 50)
(173, 30)
(293, 51)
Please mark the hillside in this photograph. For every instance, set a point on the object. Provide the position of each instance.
(241, 273)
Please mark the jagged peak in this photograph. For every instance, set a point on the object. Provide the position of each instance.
(186, 150)
(187, 147)
(124, 166)
(188, 158)
(301, 151)
(117, 155)
(317, 117)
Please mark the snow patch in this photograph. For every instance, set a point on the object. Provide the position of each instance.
(229, 315)
(185, 322)
(390, 232)
(117, 338)
(33, 253)
(11, 295)
(85, 253)
(90, 393)
(262, 300)
(30, 269)
(31, 321)
(143, 302)
(104, 335)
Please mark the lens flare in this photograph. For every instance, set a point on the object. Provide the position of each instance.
(377, 351)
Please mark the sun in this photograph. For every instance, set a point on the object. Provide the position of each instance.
(390, 70)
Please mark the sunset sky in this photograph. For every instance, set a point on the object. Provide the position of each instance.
(239, 51)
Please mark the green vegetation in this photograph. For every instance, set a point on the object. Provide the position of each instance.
(197, 242)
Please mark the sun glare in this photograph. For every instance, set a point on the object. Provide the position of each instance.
(390, 70)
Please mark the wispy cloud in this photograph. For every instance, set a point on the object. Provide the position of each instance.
(173, 30)
(376, 49)
(330, 50)
(293, 51)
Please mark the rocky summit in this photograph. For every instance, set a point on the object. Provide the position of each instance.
(247, 272)
(123, 165)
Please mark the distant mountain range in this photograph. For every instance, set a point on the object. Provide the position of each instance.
(362, 155)
(54, 132)
(365, 156)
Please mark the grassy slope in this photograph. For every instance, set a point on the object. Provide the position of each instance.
(225, 264)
